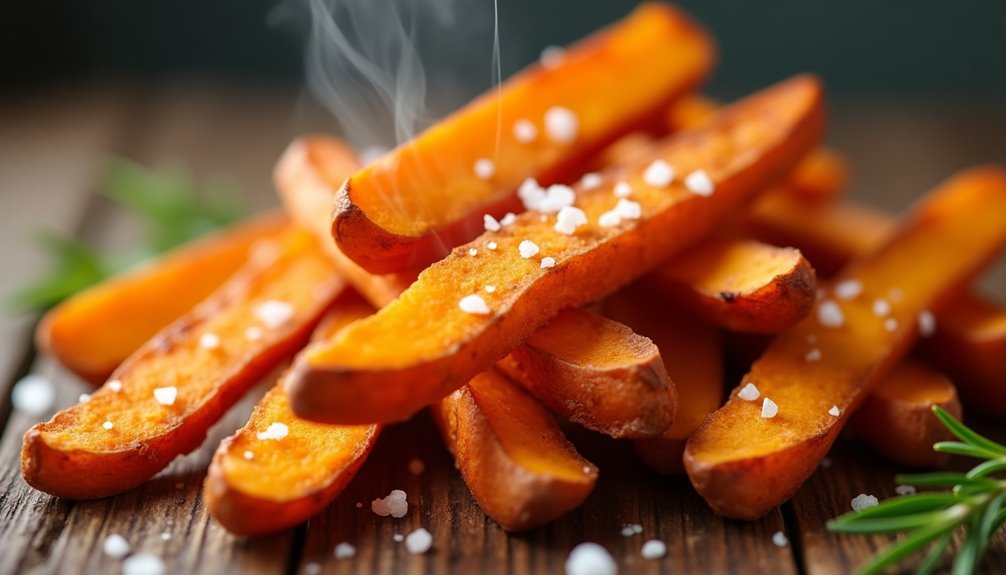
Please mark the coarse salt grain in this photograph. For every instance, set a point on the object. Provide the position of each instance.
(249, 455)
(490, 289)
(419, 541)
(561, 124)
(591, 180)
(891, 324)
(653, 549)
(623, 189)
(275, 431)
(829, 314)
(524, 131)
(491, 246)
(108, 425)
(769, 409)
(547, 262)
(863, 501)
(528, 249)
(166, 395)
(568, 219)
(398, 537)
(115, 546)
(143, 564)
(490, 223)
(927, 323)
(590, 559)
(115, 385)
(904, 490)
(880, 307)
(699, 183)
(813, 355)
(416, 466)
(609, 219)
(749, 392)
(779, 539)
(484, 168)
(587, 470)
(312, 569)
(209, 341)
(395, 505)
(253, 333)
(628, 210)
(474, 304)
(274, 313)
(473, 252)
(848, 289)
(557, 197)
(834, 411)
(166, 536)
(84, 398)
(345, 550)
(658, 174)
(33, 395)
(552, 56)
(508, 218)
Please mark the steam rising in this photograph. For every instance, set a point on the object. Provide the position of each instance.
(363, 63)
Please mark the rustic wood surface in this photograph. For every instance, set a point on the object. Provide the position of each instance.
(51, 151)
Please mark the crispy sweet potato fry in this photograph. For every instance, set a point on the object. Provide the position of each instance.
(423, 345)
(595, 372)
(257, 484)
(897, 418)
(307, 175)
(400, 212)
(693, 356)
(819, 176)
(742, 285)
(176, 282)
(512, 454)
(970, 340)
(162, 399)
(745, 464)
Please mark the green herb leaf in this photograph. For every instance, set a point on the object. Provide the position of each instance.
(966, 434)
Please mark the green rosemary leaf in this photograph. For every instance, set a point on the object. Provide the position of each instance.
(891, 524)
(913, 542)
(935, 479)
(966, 434)
(932, 560)
(988, 468)
(966, 449)
(906, 504)
(970, 551)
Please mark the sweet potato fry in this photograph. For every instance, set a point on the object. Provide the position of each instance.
(897, 418)
(512, 454)
(307, 176)
(819, 176)
(258, 484)
(742, 285)
(176, 282)
(595, 372)
(693, 356)
(400, 212)
(163, 398)
(970, 340)
(424, 345)
(750, 456)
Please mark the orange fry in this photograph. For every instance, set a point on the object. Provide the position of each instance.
(750, 456)
(446, 327)
(163, 398)
(399, 212)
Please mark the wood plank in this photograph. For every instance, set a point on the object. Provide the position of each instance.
(466, 541)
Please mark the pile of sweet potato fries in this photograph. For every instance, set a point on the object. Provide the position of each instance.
(467, 273)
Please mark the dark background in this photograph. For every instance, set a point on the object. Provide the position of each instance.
(934, 48)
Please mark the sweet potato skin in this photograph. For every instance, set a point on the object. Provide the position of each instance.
(177, 282)
(693, 357)
(743, 464)
(307, 176)
(518, 465)
(286, 482)
(73, 456)
(741, 285)
(596, 372)
(897, 418)
(438, 347)
(399, 212)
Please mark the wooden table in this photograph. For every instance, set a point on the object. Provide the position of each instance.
(51, 149)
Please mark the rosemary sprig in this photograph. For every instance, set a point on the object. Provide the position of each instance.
(172, 210)
(976, 503)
